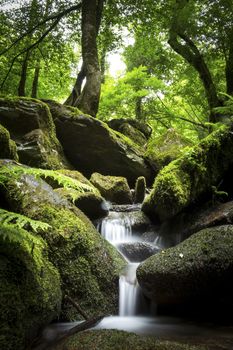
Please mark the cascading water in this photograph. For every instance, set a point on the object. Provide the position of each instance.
(117, 229)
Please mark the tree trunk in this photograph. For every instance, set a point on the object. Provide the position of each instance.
(89, 98)
(189, 51)
(138, 108)
(72, 100)
(23, 76)
(35, 80)
(229, 71)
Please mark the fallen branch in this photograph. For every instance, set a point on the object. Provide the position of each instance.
(77, 306)
(76, 329)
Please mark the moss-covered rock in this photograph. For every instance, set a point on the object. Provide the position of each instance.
(199, 270)
(138, 132)
(119, 340)
(31, 126)
(30, 294)
(90, 203)
(7, 146)
(113, 188)
(91, 146)
(185, 179)
(89, 266)
(140, 190)
(163, 149)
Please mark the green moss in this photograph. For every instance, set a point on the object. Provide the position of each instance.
(185, 179)
(7, 146)
(30, 292)
(113, 188)
(165, 148)
(89, 266)
(119, 340)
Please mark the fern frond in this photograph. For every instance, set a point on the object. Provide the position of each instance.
(17, 220)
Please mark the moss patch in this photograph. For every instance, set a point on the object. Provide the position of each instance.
(30, 291)
(7, 146)
(119, 340)
(113, 188)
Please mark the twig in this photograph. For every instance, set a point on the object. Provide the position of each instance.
(77, 307)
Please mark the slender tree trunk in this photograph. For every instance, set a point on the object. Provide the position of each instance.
(138, 108)
(35, 80)
(189, 51)
(229, 71)
(23, 76)
(89, 98)
(72, 100)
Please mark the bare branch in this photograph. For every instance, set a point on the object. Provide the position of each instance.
(55, 16)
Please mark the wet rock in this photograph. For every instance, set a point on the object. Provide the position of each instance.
(113, 188)
(91, 146)
(198, 270)
(31, 126)
(137, 251)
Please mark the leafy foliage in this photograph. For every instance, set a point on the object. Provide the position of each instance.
(17, 220)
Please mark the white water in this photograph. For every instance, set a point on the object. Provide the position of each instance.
(116, 228)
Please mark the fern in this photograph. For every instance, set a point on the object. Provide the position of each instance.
(61, 179)
(17, 220)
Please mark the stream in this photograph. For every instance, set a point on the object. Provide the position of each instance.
(136, 313)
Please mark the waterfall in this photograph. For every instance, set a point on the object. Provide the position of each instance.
(117, 228)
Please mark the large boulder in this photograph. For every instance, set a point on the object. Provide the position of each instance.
(7, 146)
(163, 149)
(184, 180)
(113, 188)
(89, 266)
(31, 126)
(198, 270)
(91, 146)
(137, 131)
(30, 292)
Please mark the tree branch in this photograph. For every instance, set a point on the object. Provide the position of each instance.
(55, 16)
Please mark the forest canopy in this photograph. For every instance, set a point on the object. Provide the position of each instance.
(179, 64)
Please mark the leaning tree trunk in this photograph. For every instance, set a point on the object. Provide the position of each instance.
(72, 100)
(189, 51)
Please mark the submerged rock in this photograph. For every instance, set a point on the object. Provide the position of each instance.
(113, 188)
(30, 293)
(91, 146)
(89, 266)
(199, 269)
(137, 251)
(184, 180)
(31, 126)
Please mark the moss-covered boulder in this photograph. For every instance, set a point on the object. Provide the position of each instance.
(30, 293)
(198, 270)
(184, 180)
(90, 203)
(31, 126)
(137, 131)
(7, 146)
(91, 146)
(89, 266)
(113, 188)
(163, 149)
(120, 340)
